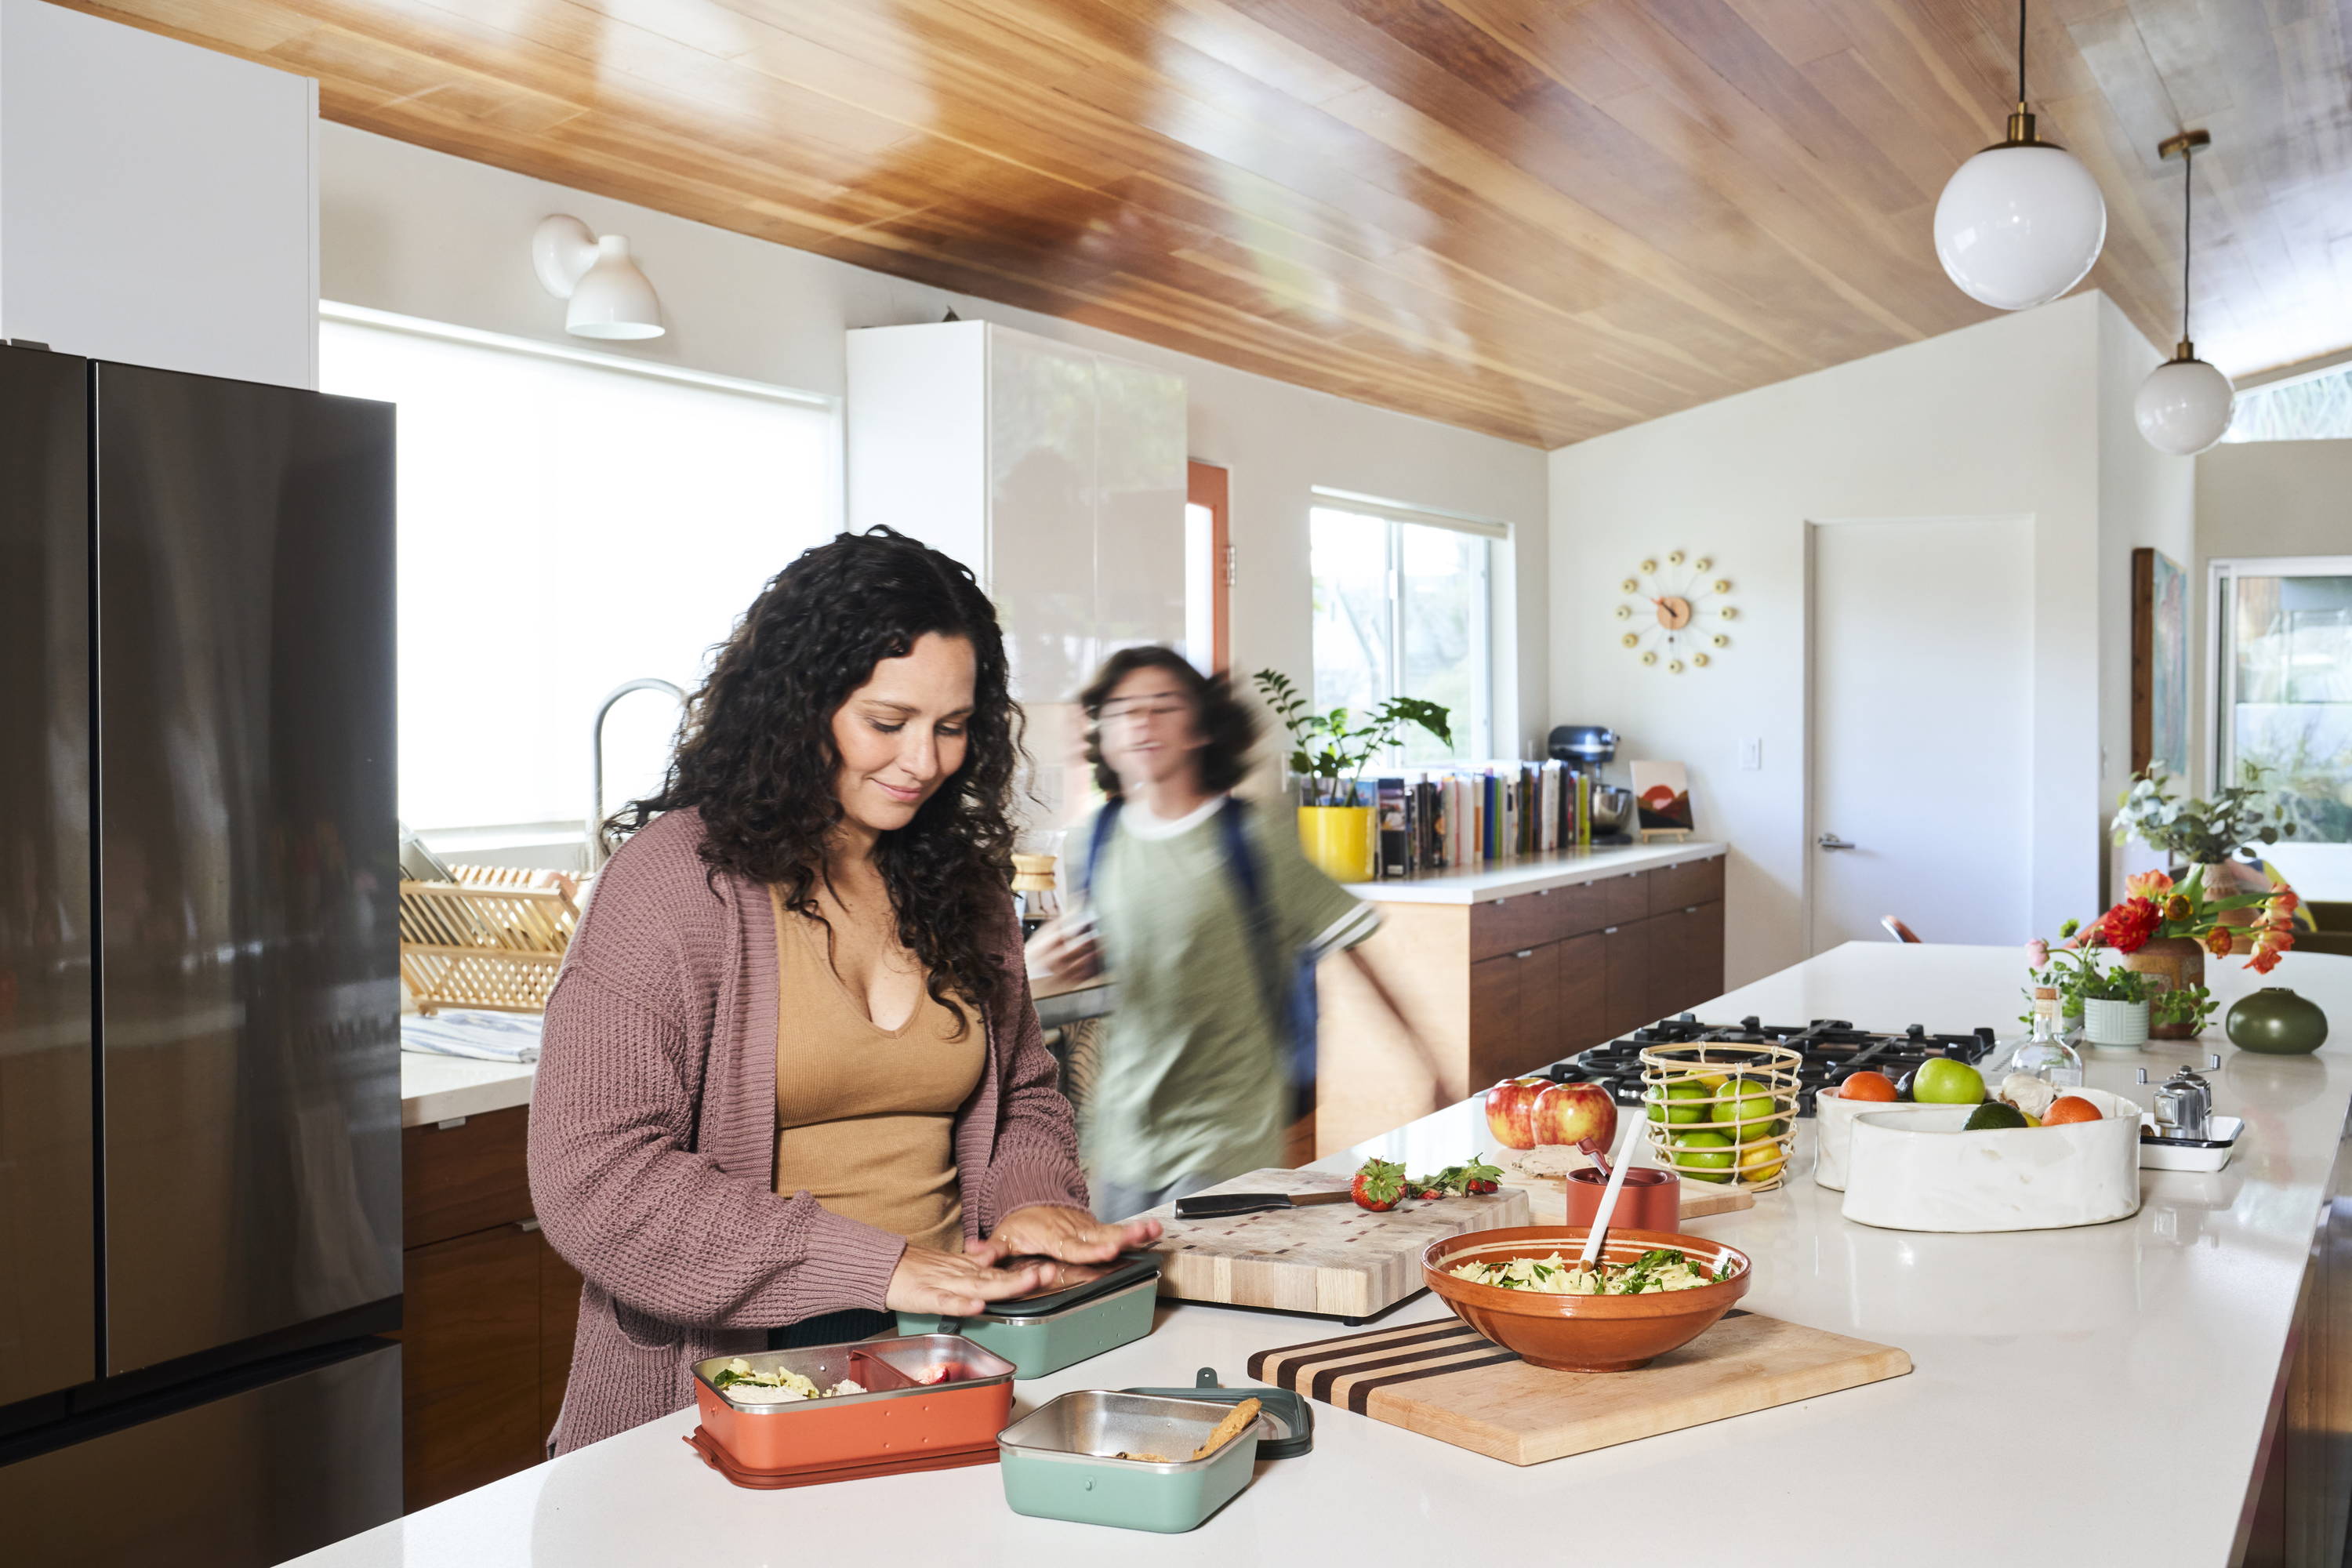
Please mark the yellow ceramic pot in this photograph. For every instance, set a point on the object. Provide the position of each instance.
(1340, 839)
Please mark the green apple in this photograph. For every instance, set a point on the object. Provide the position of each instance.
(1672, 1103)
(1704, 1156)
(1750, 1111)
(1943, 1081)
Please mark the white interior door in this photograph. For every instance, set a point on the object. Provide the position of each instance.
(1922, 740)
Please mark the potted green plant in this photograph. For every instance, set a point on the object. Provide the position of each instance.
(1327, 755)
(2115, 1001)
(2210, 835)
(2164, 930)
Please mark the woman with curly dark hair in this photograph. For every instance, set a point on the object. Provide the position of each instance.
(791, 1077)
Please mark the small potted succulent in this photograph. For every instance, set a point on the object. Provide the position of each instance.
(1328, 755)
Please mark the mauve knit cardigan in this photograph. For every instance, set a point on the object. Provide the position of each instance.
(653, 1125)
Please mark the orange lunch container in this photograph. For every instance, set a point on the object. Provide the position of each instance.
(927, 1394)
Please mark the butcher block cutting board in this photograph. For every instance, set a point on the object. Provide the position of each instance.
(1335, 1259)
(1445, 1380)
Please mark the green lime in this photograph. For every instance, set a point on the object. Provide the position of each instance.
(1993, 1115)
(1669, 1103)
(1704, 1156)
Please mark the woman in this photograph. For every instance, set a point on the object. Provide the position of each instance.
(791, 1078)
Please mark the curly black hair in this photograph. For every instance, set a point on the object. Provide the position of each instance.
(1222, 718)
(756, 756)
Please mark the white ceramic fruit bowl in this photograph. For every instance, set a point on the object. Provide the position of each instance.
(1918, 1170)
(1834, 1131)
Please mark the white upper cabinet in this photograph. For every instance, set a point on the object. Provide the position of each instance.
(158, 201)
(1056, 473)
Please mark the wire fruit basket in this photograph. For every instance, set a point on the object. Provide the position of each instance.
(1722, 1112)
(491, 940)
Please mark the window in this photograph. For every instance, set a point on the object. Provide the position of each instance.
(2309, 408)
(568, 522)
(2283, 635)
(1401, 610)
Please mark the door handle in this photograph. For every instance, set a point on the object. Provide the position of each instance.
(1832, 841)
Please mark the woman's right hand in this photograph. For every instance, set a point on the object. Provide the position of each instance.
(958, 1284)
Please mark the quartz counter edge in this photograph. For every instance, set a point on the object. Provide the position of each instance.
(440, 1088)
(1535, 873)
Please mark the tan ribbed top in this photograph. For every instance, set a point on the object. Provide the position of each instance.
(865, 1115)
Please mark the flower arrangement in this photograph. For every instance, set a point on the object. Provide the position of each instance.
(2200, 832)
(2072, 967)
(1326, 746)
(2153, 907)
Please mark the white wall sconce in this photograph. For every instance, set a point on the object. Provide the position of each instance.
(610, 297)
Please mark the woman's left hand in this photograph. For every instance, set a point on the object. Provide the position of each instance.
(1068, 1234)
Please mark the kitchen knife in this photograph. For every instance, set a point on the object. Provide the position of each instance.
(1222, 1205)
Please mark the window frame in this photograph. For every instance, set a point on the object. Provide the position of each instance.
(2220, 665)
(1478, 741)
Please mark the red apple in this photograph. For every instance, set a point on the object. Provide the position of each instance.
(1574, 1113)
(1510, 1105)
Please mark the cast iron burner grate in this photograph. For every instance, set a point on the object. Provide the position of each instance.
(1832, 1047)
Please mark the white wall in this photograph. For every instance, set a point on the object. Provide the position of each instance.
(2274, 498)
(157, 205)
(2007, 417)
(427, 235)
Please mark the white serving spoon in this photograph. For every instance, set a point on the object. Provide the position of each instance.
(1622, 1162)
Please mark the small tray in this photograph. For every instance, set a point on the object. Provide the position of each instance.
(716, 1456)
(2190, 1153)
(1288, 1420)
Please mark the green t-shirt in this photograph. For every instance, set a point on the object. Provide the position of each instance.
(1193, 1079)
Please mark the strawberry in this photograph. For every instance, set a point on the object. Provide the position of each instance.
(1479, 1178)
(1380, 1186)
(1429, 1194)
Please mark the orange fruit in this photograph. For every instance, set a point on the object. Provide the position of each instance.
(1866, 1086)
(2070, 1108)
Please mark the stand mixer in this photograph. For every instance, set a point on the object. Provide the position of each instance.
(1584, 749)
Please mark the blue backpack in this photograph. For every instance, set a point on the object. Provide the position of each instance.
(1285, 985)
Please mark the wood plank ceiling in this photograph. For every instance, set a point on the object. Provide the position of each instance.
(1543, 219)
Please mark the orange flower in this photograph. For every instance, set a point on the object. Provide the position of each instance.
(2284, 898)
(2265, 959)
(2279, 938)
(2217, 942)
(2149, 885)
(2127, 926)
(2178, 908)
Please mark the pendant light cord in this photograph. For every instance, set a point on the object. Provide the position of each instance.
(2188, 195)
(2020, 51)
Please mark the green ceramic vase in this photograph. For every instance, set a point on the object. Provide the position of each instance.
(2276, 1022)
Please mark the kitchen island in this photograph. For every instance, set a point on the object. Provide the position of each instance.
(2089, 1396)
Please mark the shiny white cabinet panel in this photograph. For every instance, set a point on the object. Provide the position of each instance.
(158, 202)
(1056, 473)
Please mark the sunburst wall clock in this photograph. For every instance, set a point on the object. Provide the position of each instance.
(1677, 613)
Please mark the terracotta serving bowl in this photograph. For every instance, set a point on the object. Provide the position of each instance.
(1583, 1333)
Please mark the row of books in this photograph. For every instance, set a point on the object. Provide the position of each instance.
(1434, 823)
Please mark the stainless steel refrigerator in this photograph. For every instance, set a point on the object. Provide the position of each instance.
(199, 1001)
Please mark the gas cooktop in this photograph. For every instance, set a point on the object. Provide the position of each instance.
(1832, 1047)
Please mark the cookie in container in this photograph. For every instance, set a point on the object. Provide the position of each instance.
(1133, 1461)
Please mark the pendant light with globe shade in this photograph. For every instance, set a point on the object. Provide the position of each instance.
(2185, 404)
(2022, 221)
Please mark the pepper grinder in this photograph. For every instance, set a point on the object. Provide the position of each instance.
(2184, 1103)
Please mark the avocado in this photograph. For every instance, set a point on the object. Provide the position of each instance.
(1903, 1084)
(1994, 1115)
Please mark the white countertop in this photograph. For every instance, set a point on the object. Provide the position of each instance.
(2080, 1397)
(1508, 878)
(434, 1089)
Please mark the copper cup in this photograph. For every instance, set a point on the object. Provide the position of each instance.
(1651, 1200)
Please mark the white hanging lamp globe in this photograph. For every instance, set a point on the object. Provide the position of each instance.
(2020, 222)
(2185, 404)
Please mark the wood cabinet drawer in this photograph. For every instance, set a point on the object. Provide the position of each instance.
(1626, 960)
(458, 1180)
(1673, 887)
(1625, 897)
(1531, 919)
(470, 1350)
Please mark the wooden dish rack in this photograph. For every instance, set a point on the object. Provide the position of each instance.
(491, 940)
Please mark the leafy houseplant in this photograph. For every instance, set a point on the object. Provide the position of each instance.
(2113, 1002)
(1328, 755)
(2201, 832)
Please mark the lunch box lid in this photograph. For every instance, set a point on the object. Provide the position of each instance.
(1289, 1418)
(1131, 1268)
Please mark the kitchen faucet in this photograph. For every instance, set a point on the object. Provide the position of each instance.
(597, 851)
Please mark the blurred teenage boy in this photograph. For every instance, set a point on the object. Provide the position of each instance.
(1204, 909)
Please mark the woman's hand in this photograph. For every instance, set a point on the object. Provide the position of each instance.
(959, 1284)
(1068, 1235)
(1066, 952)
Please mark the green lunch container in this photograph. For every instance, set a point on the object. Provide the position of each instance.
(1060, 1462)
(1054, 1331)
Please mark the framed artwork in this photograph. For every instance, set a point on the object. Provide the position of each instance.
(1663, 792)
(2160, 663)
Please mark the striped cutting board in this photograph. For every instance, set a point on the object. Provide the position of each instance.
(1444, 1379)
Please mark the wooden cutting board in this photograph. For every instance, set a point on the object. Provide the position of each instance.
(1336, 1258)
(1444, 1379)
(1548, 1197)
